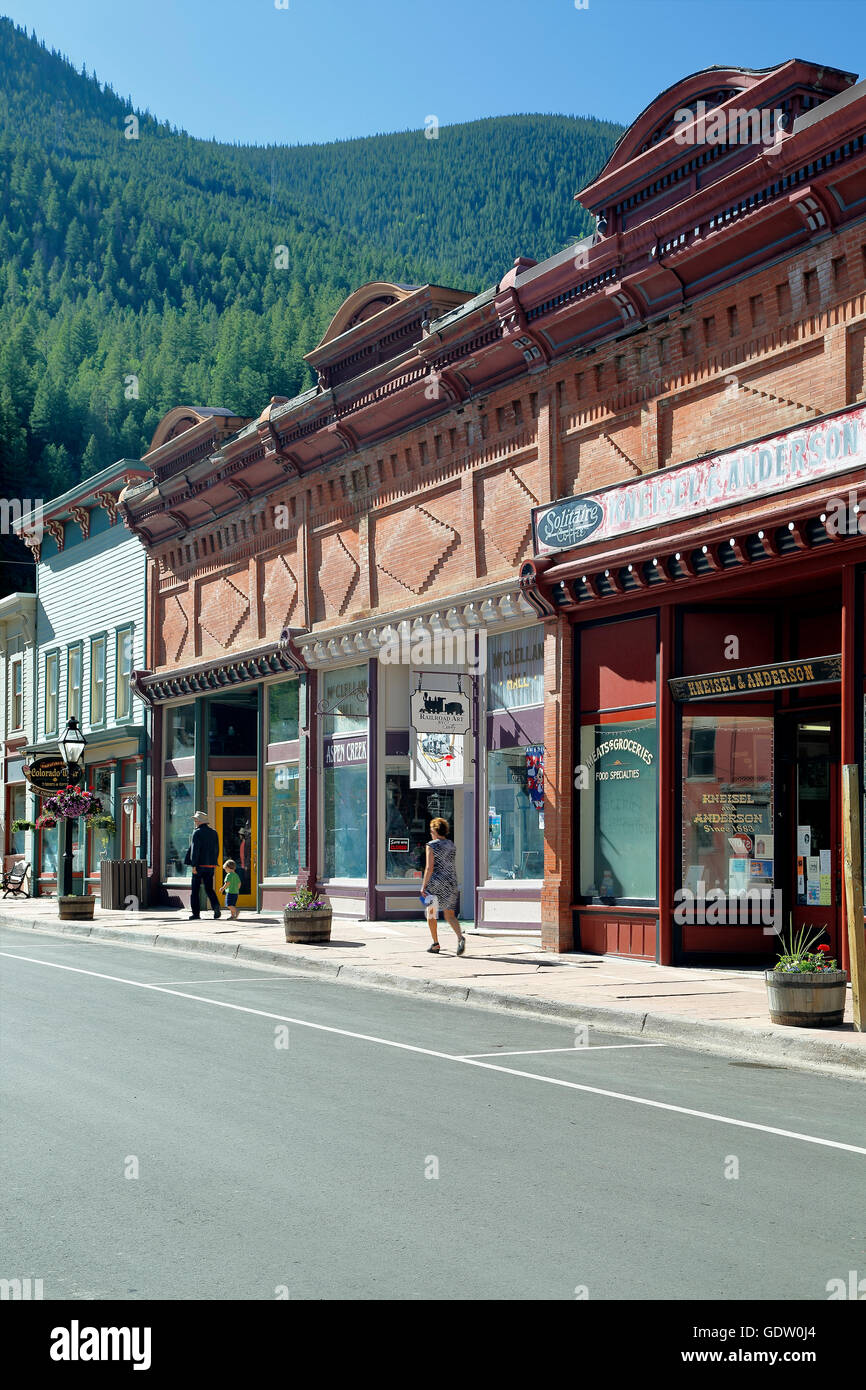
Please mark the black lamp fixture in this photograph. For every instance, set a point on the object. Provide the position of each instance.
(72, 743)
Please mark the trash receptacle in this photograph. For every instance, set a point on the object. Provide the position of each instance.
(123, 884)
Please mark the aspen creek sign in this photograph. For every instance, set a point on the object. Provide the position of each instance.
(49, 775)
(344, 752)
(802, 455)
(751, 680)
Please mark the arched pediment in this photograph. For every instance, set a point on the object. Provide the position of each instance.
(365, 303)
(656, 121)
(180, 419)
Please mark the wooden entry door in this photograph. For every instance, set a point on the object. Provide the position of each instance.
(814, 808)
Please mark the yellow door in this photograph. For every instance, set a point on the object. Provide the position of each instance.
(237, 828)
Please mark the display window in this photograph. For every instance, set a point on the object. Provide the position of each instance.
(283, 703)
(282, 821)
(727, 803)
(17, 811)
(344, 700)
(617, 796)
(408, 813)
(178, 826)
(101, 782)
(515, 668)
(48, 852)
(179, 732)
(345, 821)
(515, 820)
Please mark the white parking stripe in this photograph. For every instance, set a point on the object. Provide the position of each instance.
(449, 1057)
(534, 1051)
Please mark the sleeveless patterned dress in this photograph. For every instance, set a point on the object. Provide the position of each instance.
(443, 880)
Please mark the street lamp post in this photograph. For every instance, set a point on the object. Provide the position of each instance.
(71, 744)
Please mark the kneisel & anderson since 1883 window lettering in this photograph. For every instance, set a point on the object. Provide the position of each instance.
(728, 840)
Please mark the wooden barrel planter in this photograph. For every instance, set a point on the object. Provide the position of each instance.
(815, 999)
(307, 928)
(77, 909)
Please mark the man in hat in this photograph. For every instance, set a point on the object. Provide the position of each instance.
(203, 855)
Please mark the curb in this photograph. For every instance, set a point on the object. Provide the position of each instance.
(762, 1045)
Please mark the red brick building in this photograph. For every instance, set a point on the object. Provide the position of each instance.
(305, 564)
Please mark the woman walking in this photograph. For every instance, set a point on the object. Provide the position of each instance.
(440, 881)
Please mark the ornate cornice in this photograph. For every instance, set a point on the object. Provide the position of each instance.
(154, 688)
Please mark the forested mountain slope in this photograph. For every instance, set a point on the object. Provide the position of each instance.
(137, 274)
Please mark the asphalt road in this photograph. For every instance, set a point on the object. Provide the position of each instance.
(239, 1133)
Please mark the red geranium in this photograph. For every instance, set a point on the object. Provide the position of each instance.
(822, 948)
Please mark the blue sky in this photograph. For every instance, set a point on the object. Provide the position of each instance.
(320, 70)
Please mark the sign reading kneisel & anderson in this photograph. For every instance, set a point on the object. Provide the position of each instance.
(802, 455)
(757, 679)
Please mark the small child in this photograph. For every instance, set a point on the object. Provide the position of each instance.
(231, 887)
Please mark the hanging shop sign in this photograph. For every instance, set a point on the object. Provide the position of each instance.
(440, 712)
(49, 775)
(750, 680)
(802, 455)
(344, 752)
(435, 760)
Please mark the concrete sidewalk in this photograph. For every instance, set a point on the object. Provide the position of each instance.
(716, 1010)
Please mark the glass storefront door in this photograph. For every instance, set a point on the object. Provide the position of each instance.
(237, 828)
(815, 832)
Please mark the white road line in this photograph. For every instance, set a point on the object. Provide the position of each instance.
(534, 1051)
(450, 1057)
(220, 980)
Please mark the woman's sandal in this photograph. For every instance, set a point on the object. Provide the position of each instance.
(434, 949)
(461, 945)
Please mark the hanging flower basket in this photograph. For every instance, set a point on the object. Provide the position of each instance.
(71, 803)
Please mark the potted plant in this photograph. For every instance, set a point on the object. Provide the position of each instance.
(22, 825)
(307, 918)
(806, 989)
(63, 806)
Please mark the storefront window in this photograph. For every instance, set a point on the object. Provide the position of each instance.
(178, 826)
(180, 732)
(233, 723)
(282, 821)
(515, 827)
(101, 783)
(17, 811)
(345, 797)
(728, 840)
(616, 801)
(48, 849)
(283, 712)
(408, 813)
(344, 700)
(515, 664)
